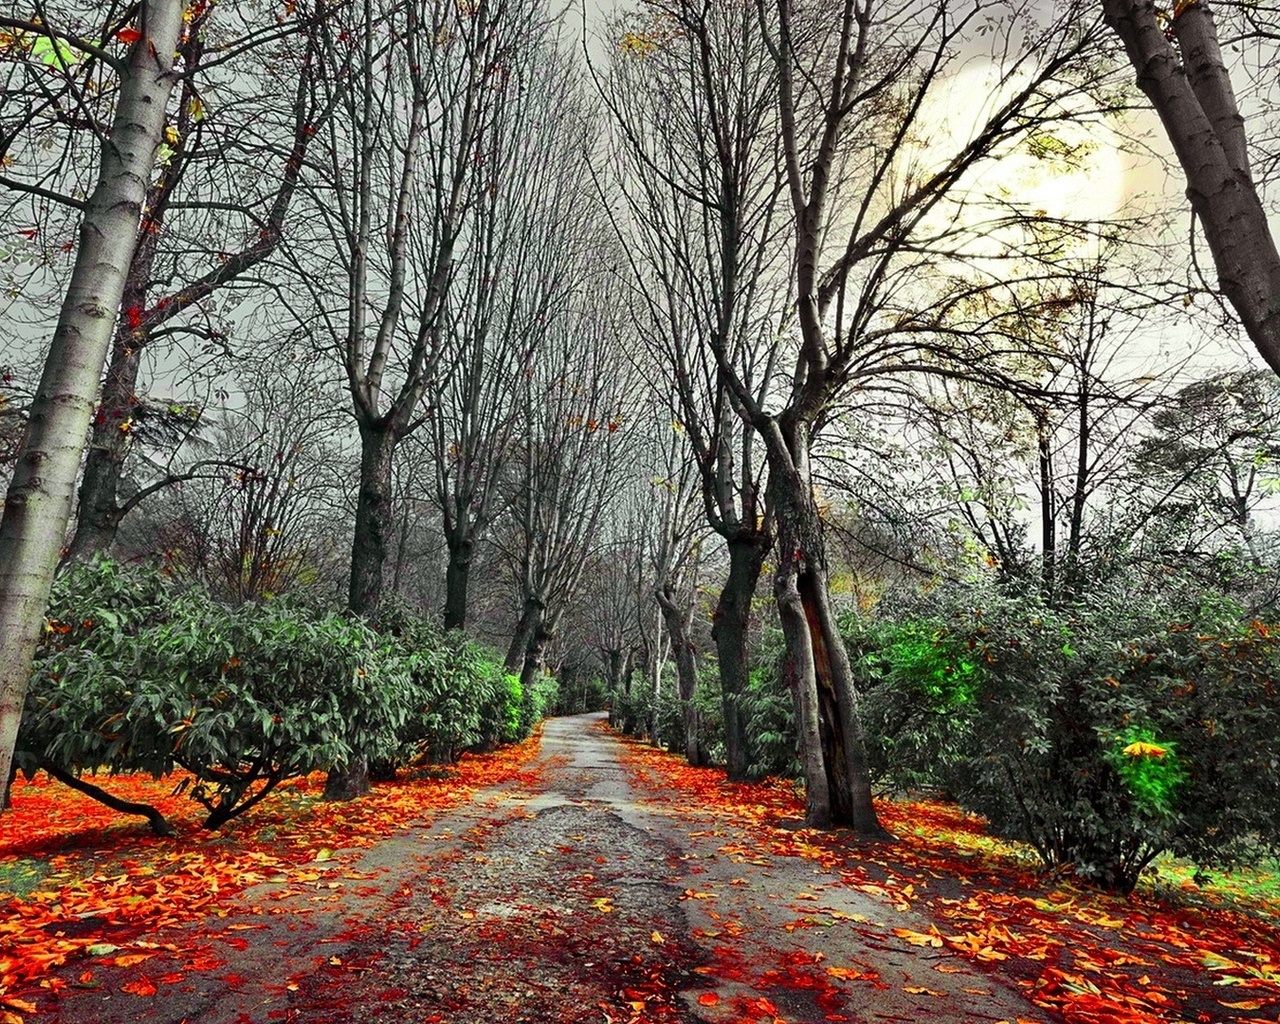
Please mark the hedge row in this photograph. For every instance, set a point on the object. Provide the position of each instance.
(137, 673)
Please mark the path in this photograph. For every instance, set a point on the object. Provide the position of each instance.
(580, 899)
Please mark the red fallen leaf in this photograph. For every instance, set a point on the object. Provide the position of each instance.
(708, 999)
(237, 943)
(234, 980)
(142, 986)
(128, 35)
(172, 978)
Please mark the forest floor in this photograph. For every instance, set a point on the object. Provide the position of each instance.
(584, 878)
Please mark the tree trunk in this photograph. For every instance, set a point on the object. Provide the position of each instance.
(730, 631)
(38, 503)
(98, 509)
(677, 620)
(457, 577)
(368, 555)
(348, 781)
(373, 520)
(1192, 93)
(817, 664)
(526, 632)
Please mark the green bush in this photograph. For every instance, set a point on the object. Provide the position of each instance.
(1101, 735)
(770, 715)
(137, 674)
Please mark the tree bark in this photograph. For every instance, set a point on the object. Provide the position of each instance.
(527, 628)
(158, 822)
(730, 630)
(678, 620)
(457, 578)
(1191, 92)
(38, 503)
(98, 510)
(816, 662)
(373, 520)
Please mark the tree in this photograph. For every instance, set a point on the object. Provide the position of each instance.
(260, 528)
(878, 230)
(577, 407)
(697, 161)
(38, 503)
(517, 266)
(209, 189)
(676, 559)
(1182, 71)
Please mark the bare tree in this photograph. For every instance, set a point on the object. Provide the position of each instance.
(38, 503)
(697, 160)
(259, 527)
(877, 236)
(578, 404)
(517, 266)
(676, 541)
(210, 219)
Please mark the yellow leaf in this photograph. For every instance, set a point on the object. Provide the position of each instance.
(1140, 748)
(920, 990)
(657, 938)
(919, 938)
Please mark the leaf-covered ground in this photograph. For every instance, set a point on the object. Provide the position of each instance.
(82, 885)
(1088, 957)
(605, 882)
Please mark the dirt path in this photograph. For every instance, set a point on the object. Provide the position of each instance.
(578, 898)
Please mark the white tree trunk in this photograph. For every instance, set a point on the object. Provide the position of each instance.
(1191, 91)
(38, 503)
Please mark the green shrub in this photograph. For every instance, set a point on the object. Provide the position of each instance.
(1101, 735)
(540, 701)
(768, 708)
(137, 674)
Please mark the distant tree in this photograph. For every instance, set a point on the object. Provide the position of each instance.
(1209, 460)
(577, 403)
(697, 162)
(517, 267)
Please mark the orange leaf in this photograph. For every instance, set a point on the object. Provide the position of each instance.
(128, 35)
(140, 987)
(708, 999)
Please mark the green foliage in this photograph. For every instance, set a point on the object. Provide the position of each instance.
(1150, 769)
(540, 700)
(137, 673)
(1101, 734)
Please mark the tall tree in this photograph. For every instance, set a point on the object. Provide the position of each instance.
(1181, 68)
(517, 266)
(577, 410)
(38, 502)
(209, 194)
(392, 184)
(697, 160)
(875, 225)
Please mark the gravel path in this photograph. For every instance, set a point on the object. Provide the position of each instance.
(577, 898)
